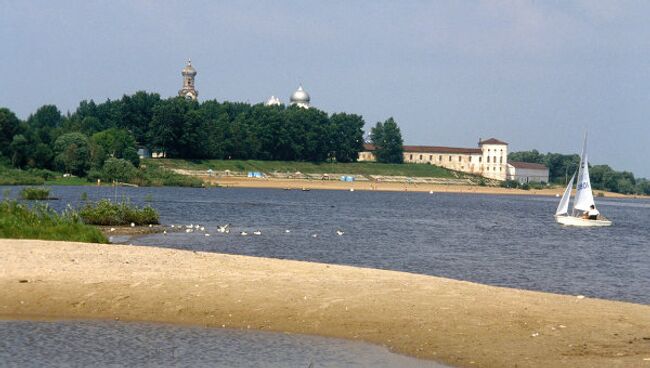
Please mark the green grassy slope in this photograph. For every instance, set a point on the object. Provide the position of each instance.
(357, 168)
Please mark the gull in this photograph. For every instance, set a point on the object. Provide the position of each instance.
(172, 226)
(112, 229)
(132, 224)
(339, 232)
(150, 225)
(224, 229)
(314, 236)
(189, 226)
(188, 230)
(257, 232)
(287, 231)
(196, 226)
(243, 233)
(165, 232)
(202, 228)
(206, 234)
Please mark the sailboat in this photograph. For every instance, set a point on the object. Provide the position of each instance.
(584, 198)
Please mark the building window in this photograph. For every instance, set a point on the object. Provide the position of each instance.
(488, 159)
(440, 158)
(420, 157)
(480, 159)
(501, 159)
(460, 158)
(430, 157)
(410, 157)
(450, 158)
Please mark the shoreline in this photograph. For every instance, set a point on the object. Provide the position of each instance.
(455, 322)
(299, 184)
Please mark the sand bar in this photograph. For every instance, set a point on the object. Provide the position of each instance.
(460, 323)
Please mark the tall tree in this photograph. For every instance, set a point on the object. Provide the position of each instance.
(387, 138)
(9, 125)
(72, 153)
(347, 136)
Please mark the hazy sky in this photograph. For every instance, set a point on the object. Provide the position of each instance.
(533, 73)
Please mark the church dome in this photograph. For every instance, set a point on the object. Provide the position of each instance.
(300, 96)
(189, 69)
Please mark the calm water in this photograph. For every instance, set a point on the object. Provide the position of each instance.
(91, 344)
(500, 240)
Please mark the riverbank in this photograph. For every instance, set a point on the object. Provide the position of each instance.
(300, 184)
(459, 323)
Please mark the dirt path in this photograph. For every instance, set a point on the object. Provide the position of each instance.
(459, 323)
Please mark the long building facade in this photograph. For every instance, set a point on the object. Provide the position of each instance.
(489, 159)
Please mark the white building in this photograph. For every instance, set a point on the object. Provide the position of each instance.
(489, 160)
(273, 101)
(300, 98)
(526, 172)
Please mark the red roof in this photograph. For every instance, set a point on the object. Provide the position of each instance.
(429, 149)
(527, 165)
(491, 141)
(438, 149)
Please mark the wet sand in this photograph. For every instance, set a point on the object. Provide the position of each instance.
(299, 184)
(459, 323)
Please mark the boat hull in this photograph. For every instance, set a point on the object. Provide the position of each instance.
(580, 222)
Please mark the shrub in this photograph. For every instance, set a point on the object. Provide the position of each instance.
(107, 213)
(118, 169)
(34, 194)
(18, 221)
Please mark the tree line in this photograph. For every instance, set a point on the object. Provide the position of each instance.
(561, 167)
(95, 133)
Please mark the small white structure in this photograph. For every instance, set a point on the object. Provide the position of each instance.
(273, 101)
(526, 172)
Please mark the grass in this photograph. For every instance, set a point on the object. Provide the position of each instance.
(34, 194)
(152, 175)
(10, 176)
(106, 213)
(356, 168)
(18, 221)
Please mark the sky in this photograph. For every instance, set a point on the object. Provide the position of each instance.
(536, 74)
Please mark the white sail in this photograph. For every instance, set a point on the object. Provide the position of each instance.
(563, 207)
(584, 197)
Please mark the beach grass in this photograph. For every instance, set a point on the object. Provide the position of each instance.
(18, 221)
(107, 213)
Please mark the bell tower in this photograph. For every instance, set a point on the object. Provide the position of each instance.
(188, 90)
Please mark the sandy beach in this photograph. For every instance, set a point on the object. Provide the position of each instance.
(459, 323)
(299, 184)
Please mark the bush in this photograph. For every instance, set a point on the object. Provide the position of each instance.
(107, 213)
(118, 169)
(18, 221)
(34, 194)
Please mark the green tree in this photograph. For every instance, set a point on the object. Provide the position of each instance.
(118, 143)
(388, 142)
(72, 153)
(118, 169)
(20, 150)
(9, 125)
(347, 136)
